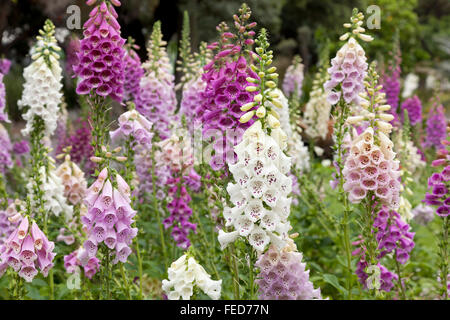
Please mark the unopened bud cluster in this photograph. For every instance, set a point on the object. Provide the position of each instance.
(266, 83)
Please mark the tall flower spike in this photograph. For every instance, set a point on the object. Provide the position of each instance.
(101, 66)
(390, 79)
(349, 67)
(133, 71)
(156, 99)
(370, 166)
(187, 64)
(5, 150)
(260, 194)
(264, 104)
(414, 107)
(317, 110)
(436, 126)
(4, 68)
(225, 93)
(42, 87)
(293, 78)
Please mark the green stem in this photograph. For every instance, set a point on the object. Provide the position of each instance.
(138, 253)
(345, 220)
(444, 256)
(155, 206)
(400, 284)
(125, 280)
(252, 280)
(235, 272)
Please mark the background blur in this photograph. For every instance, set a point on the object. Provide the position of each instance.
(295, 26)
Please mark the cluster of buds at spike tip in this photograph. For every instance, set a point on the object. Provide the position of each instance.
(355, 26)
(232, 43)
(374, 108)
(266, 83)
(156, 52)
(48, 47)
(244, 31)
(187, 64)
(106, 155)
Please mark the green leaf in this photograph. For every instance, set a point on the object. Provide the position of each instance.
(39, 282)
(331, 279)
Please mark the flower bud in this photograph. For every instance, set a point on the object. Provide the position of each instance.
(273, 122)
(274, 94)
(384, 126)
(274, 113)
(355, 119)
(261, 112)
(271, 84)
(96, 159)
(365, 37)
(247, 106)
(121, 159)
(257, 98)
(386, 117)
(384, 107)
(247, 116)
(344, 36)
(251, 88)
(277, 103)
